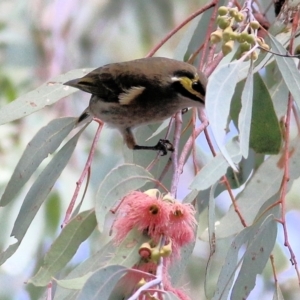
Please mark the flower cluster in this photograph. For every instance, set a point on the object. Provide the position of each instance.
(169, 225)
(156, 216)
(237, 26)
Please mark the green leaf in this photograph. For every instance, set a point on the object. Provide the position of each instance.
(287, 68)
(220, 89)
(176, 270)
(65, 246)
(101, 283)
(216, 167)
(53, 213)
(209, 279)
(181, 49)
(45, 142)
(265, 134)
(90, 265)
(74, 283)
(255, 259)
(127, 253)
(246, 114)
(118, 183)
(46, 94)
(38, 193)
(264, 184)
(253, 236)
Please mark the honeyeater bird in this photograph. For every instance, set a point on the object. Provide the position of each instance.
(142, 91)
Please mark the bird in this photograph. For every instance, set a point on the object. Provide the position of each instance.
(148, 90)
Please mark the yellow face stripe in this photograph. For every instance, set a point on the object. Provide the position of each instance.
(187, 84)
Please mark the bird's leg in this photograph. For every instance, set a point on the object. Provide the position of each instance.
(163, 145)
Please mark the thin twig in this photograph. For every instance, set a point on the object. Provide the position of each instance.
(187, 20)
(83, 174)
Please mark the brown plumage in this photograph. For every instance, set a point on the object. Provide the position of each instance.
(148, 90)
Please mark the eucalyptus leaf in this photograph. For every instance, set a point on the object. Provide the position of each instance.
(216, 167)
(38, 193)
(255, 258)
(265, 136)
(220, 89)
(101, 283)
(74, 283)
(210, 280)
(288, 69)
(65, 246)
(47, 94)
(181, 49)
(264, 184)
(45, 142)
(253, 236)
(246, 114)
(90, 265)
(118, 183)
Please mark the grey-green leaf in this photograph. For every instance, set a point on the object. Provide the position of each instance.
(264, 184)
(46, 94)
(265, 136)
(118, 183)
(101, 283)
(246, 114)
(216, 167)
(45, 142)
(220, 89)
(288, 69)
(255, 258)
(38, 193)
(65, 246)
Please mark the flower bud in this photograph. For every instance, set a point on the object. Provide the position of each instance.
(222, 10)
(227, 47)
(233, 12)
(141, 283)
(227, 34)
(239, 17)
(254, 55)
(251, 38)
(245, 46)
(155, 255)
(265, 47)
(166, 250)
(254, 25)
(223, 22)
(216, 36)
(152, 193)
(242, 37)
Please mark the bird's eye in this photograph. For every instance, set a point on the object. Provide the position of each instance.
(195, 84)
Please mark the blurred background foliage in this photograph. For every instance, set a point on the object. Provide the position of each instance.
(40, 39)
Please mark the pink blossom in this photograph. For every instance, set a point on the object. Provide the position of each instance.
(182, 225)
(157, 217)
(144, 213)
